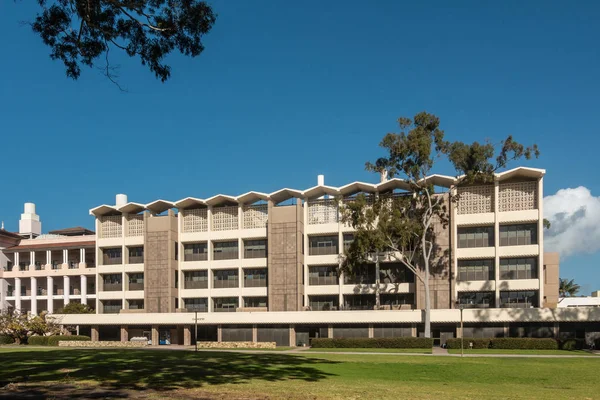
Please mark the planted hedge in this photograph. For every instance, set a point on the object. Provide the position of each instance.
(4, 339)
(572, 344)
(524, 344)
(53, 340)
(477, 343)
(38, 340)
(373, 343)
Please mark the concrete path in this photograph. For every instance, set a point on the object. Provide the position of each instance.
(438, 351)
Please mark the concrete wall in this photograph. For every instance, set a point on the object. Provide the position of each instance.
(551, 279)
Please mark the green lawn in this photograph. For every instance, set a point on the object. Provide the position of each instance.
(337, 350)
(524, 352)
(177, 374)
(279, 348)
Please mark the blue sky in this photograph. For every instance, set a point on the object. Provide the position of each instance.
(287, 90)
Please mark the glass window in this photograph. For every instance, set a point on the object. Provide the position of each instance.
(195, 279)
(348, 239)
(476, 270)
(255, 277)
(476, 299)
(255, 248)
(395, 273)
(196, 304)
(478, 236)
(322, 245)
(518, 268)
(519, 299)
(227, 278)
(195, 251)
(323, 303)
(225, 250)
(225, 304)
(518, 235)
(362, 275)
(359, 301)
(255, 302)
(322, 275)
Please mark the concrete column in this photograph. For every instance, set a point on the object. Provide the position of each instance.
(254, 333)
(17, 261)
(154, 335)
(33, 285)
(83, 288)
(219, 333)
(48, 257)
(187, 335)
(497, 242)
(506, 330)
(413, 330)
(65, 257)
(31, 260)
(371, 331)
(292, 335)
(95, 333)
(66, 287)
(330, 331)
(18, 294)
(50, 290)
(540, 235)
(124, 333)
(556, 330)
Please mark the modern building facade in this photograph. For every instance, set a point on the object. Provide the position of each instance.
(264, 267)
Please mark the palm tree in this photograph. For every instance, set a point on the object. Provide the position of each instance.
(568, 288)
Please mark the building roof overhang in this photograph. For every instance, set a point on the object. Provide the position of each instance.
(160, 206)
(285, 194)
(252, 197)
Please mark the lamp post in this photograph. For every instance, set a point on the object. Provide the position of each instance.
(196, 330)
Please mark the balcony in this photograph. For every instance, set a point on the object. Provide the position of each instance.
(112, 261)
(195, 257)
(56, 266)
(195, 284)
(73, 264)
(136, 259)
(196, 308)
(23, 266)
(10, 292)
(226, 283)
(112, 287)
(136, 285)
(38, 266)
(111, 309)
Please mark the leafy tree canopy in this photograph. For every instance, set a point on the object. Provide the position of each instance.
(77, 308)
(568, 288)
(83, 32)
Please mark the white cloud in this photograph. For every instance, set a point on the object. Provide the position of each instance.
(574, 215)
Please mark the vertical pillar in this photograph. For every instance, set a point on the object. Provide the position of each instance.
(506, 330)
(66, 289)
(556, 330)
(154, 335)
(219, 333)
(33, 285)
(413, 330)
(187, 335)
(124, 333)
(254, 334)
(497, 242)
(330, 331)
(306, 243)
(31, 260)
(83, 288)
(540, 235)
(50, 291)
(95, 333)
(17, 261)
(293, 335)
(65, 257)
(18, 294)
(371, 331)
(48, 258)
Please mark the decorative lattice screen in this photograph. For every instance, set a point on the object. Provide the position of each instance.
(255, 216)
(517, 196)
(476, 199)
(135, 225)
(322, 211)
(225, 218)
(195, 220)
(111, 226)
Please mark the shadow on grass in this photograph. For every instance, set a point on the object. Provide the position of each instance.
(119, 373)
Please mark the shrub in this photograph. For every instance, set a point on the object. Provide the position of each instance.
(572, 344)
(372, 343)
(478, 343)
(38, 340)
(53, 340)
(5, 339)
(524, 344)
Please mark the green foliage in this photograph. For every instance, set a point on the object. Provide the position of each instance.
(77, 308)
(38, 340)
(6, 339)
(524, 344)
(53, 340)
(572, 344)
(568, 288)
(381, 343)
(478, 343)
(82, 33)
(14, 325)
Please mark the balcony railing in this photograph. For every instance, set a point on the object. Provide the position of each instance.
(136, 286)
(23, 266)
(195, 257)
(112, 260)
(38, 266)
(225, 308)
(226, 255)
(323, 251)
(56, 266)
(196, 308)
(90, 264)
(10, 292)
(195, 284)
(255, 282)
(255, 253)
(91, 290)
(112, 287)
(73, 264)
(111, 309)
(136, 259)
(226, 283)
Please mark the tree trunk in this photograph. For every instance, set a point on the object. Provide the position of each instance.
(377, 301)
(427, 300)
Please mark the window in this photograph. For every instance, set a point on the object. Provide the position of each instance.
(225, 250)
(359, 301)
(348, 239)
(480, 236)
(255, 277)
(323, 275)
(255, 248)
(195, 279)
(136, 304)
(225, 304)
(518, 235)
(227, 278)
(476, 299)
(176, 251)
(111, 306)
(476, 270)
(196, 304)
(255, 302)
(395, 273)
(518, 268)
(362, 275)
(322, 245)
(136, 281)
(323, 303)
(112, 256)
(195, 251)
(396, 299)
(136, 255)
(519, 299)
(112, 282)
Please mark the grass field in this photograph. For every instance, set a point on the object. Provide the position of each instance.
(337, 350)
(151, 374)
(525, 352)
